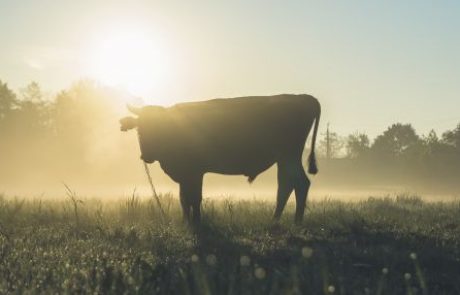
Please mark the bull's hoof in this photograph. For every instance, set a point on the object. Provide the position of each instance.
(298, 221)
(276, 229)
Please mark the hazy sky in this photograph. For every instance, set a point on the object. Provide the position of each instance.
(370, 64)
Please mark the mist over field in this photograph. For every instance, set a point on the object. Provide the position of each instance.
(74, 138)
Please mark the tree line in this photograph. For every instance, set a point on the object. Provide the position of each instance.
(63, 132)
(398, 156)
(57, 134)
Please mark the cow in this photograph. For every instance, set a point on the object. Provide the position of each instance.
(233, 136)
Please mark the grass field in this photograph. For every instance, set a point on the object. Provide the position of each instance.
(396, 245)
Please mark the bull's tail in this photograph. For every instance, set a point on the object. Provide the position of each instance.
(312, 165)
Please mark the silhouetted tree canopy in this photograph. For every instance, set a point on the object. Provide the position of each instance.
(336, 145)
(8, 100)
(34, 116)
(452, 137)
(396, 140)
(358, 145)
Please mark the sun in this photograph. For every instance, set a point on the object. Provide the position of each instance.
(129, 59)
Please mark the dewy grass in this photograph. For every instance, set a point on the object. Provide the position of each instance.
(379, 246)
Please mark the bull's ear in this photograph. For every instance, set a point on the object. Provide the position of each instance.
(128, 123)
(134, 110)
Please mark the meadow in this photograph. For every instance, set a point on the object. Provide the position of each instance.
(382, 245)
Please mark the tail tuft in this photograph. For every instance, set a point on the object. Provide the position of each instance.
(312, 165)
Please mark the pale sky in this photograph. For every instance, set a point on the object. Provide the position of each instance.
(370, 63)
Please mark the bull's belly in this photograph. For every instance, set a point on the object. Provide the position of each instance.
(180, 167)
(247, 168)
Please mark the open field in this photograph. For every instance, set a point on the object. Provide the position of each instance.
(376, 246)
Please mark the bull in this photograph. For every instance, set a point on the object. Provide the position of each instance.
(234, 136)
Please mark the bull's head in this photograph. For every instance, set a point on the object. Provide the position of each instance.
(147, 120)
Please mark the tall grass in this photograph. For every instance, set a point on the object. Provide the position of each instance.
(388, 245)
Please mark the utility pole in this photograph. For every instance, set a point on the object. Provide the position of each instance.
(328, 143)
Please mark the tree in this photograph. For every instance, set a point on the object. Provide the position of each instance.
(32, 93)
(433, 144)
(357, 145)
(34, 112)
(8, 100)
(80, 109)
(396, 141)
(432, 138)
(83, 118)
(452, 137)
(331, 142)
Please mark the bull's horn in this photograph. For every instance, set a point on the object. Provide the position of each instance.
(134, 110)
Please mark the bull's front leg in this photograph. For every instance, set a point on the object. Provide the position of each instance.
(191, 196)
(185, 203)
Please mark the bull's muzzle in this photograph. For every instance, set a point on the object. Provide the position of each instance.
(128, 123)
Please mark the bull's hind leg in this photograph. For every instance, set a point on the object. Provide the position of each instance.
(301, 186)
(285, 187)
(291, 175)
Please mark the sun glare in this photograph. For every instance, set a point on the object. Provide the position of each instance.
(129, 59)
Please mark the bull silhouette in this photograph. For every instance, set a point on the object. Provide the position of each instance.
(234, 136)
